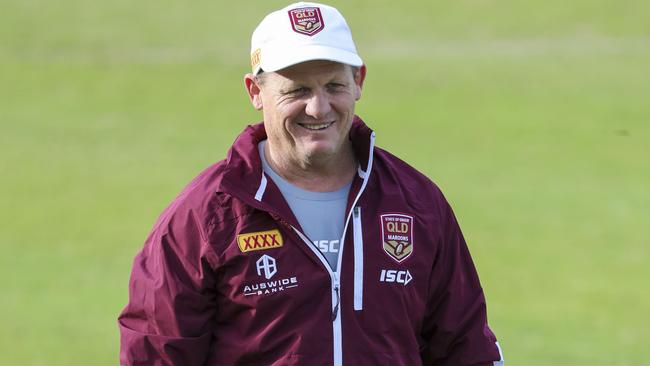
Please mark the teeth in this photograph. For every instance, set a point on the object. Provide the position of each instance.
(317, 127)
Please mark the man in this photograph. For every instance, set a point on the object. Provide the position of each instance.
(308, 245)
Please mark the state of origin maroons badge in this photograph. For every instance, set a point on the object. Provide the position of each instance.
(307, 21)
(397, 235)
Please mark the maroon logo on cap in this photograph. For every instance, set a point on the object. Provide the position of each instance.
(307, 21)
(397, 235)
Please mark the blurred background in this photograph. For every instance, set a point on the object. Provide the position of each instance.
(532, 116)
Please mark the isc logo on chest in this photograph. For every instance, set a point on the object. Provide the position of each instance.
(395, 276)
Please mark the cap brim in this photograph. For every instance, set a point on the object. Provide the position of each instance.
(281, 59)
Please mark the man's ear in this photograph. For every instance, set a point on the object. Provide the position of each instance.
(253, 90)
(359, 78)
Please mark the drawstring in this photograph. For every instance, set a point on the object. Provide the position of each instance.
(261, 189)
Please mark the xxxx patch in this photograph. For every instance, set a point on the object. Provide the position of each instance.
(308, 21)
(397, 235)
(256, 58)
(259, 240)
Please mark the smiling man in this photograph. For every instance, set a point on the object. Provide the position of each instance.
(308, 245)
(308, 110)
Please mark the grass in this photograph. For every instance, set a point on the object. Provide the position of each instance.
(532, 117)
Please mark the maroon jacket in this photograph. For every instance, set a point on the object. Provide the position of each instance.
(226, 276)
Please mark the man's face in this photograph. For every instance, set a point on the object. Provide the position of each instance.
(308, 109)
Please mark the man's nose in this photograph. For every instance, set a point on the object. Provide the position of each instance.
(318, 105)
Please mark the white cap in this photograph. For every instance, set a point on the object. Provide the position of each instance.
(302, 32)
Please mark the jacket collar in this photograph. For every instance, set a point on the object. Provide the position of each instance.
(244, 178)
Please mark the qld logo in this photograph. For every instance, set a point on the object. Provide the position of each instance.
(307, 21)
(397, 235)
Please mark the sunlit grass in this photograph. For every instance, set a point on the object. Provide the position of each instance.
(533, 118)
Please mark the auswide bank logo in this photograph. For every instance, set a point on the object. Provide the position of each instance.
(267, 267)
(397, 235)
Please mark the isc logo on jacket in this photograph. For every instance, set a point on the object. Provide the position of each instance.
(395, 276)
(327, 246)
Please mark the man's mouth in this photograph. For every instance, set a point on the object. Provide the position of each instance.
(316, 127)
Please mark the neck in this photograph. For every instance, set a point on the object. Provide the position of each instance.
(317, 175)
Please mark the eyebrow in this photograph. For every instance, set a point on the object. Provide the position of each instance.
(289, 88)
(293, 85)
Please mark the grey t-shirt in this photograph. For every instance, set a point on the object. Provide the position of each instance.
(320, 214)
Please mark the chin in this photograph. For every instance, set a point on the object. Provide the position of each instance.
(319, 152)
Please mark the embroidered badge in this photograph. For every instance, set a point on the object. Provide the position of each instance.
(259, 240)
(397, 235)
(256, 58)
(307, 21)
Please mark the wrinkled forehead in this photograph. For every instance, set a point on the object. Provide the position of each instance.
(311, 71)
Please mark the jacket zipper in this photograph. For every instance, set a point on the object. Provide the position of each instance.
(358, 259)
(335, 311)
(336, 298)
(337, 331)
(335, 275)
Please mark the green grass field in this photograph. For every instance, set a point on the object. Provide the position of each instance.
(534, 118)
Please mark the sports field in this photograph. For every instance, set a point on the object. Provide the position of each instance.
(533, 117)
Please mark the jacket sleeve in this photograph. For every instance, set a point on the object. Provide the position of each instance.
(455, 331)
(170, 314)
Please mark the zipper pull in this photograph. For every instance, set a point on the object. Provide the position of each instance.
(335, 312)
(337, 286)
(356, 211)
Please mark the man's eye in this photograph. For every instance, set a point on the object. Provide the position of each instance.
(299, 91)
(335, 86)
